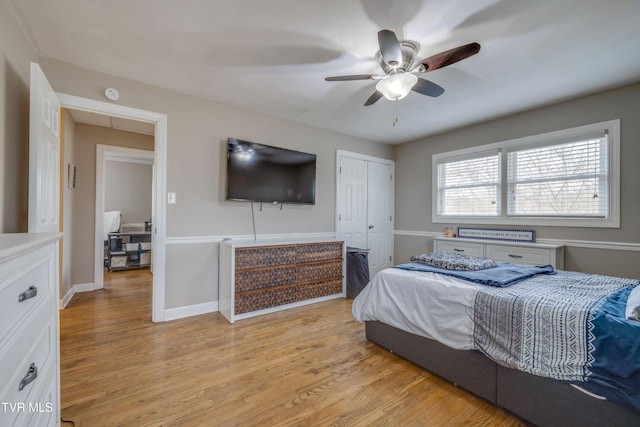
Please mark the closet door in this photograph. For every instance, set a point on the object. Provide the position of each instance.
(352, 203)
(380, 216)
(365, 207)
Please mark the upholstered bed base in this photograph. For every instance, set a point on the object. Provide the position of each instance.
(542, 401)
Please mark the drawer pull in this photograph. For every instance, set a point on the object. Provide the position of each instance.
(515, 256)
(32, 374)
(29, 293)
(458, 250)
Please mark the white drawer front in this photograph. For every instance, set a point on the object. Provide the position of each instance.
(34, 343)
(466, 248)
(18, 299)
(39, 410)
(43, 409)
(516, 255)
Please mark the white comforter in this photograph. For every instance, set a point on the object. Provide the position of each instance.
(431, 305)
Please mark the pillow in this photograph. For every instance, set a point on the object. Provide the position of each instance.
(454, 261)
(633, 305)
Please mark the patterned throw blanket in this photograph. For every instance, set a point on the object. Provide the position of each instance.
(563, 326)
(505, 274)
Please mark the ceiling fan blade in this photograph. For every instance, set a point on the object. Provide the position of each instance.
(373, 98)
(353, 77)
(450, 56)
(390, 48)
(428, 88)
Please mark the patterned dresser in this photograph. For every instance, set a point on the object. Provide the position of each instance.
(263, 277)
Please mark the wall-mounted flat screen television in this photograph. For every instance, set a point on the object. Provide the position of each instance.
(263, 173)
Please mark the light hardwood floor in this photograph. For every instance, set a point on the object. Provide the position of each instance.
(306, 366)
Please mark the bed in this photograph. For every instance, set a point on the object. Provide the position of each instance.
(553, 347)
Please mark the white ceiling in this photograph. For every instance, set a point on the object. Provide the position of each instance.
(272, 56)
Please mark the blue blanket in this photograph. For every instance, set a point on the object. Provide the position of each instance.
(615, 369)
(505, 274)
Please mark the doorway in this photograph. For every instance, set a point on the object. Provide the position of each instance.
(158, 214)
(124, 200)
(365, 206)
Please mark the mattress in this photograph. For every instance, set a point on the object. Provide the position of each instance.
(430, 305)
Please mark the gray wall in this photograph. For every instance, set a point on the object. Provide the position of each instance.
(413, 173)
(16, 54)
(128, 189)
(86, 137)
(196, 152)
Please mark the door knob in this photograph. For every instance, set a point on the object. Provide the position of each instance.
(370, 227)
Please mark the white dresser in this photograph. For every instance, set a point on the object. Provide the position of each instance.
(29, 330)
(515, 252)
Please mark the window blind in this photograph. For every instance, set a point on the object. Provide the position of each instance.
(469, 186)
(561, 180)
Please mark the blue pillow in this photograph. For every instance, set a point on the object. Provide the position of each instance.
(633, 305)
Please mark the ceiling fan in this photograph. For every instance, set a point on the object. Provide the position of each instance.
(398, 61)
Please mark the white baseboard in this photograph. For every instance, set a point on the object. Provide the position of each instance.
(190, 310)
(66, 298)
(82, 287)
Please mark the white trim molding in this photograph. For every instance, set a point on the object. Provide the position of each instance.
(104, 153)
(64, 301)
(190, 240)
(159, 216)
(190, 310)
(75, 289)
(590, 244)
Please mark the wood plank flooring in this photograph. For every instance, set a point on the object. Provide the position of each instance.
(303, 367)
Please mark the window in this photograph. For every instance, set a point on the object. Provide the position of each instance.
(470, 186)
(567, 178)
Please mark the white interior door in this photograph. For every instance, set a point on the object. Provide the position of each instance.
(352, 214)
(44, 155)
(365, 207)
(380, 216)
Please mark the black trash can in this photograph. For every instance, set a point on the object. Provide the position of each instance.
(357, 270)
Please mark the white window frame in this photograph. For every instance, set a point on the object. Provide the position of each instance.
(612, 220)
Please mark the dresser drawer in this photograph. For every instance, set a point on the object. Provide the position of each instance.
(39, 408)
(43, 410)
(265, 256)
(466, 248)
(35, 343)
(266, 277)
(21, 292)
(517, 255)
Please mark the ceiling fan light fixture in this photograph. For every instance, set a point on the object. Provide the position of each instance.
(396, 86)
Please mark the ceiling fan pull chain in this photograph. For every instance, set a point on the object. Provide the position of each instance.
(395, 113)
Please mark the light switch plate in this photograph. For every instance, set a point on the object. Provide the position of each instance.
(171, 198)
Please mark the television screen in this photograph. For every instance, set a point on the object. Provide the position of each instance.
(262, 173)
